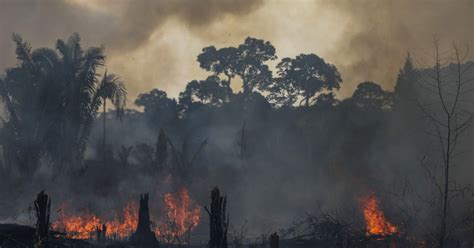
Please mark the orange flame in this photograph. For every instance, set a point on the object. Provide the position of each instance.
(376, 222)
(77, 227)
(83, 226)
(182, 216)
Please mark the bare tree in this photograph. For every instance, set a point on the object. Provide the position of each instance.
(450, 117)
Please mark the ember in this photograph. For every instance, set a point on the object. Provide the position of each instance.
(376, 222)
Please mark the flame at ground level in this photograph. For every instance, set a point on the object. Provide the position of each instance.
(375, 219)
(181, 216)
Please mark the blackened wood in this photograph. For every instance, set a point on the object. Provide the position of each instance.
(43, 210)
(274, 240)
(144, 236)
(218, 224)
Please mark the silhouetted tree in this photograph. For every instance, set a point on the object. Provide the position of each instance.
(83, 93)
(212, 91)
(246, 61)
(450, 115)
(405, 90)
(304, 76)
(111, 88)
(52, 99)
(159, 109)
(371, 96)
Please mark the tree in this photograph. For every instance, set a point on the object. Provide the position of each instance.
(212, 91)
(83, 93)
(111, 88)
(52, 99)
(405, 90)
(159, 109)
(31, 95)
(246, 61)
(450, 117)
(304, 76)
(371, 96)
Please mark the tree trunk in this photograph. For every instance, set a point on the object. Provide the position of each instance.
(104, 144)
(144, 236)
(43, 210)
(218, 223)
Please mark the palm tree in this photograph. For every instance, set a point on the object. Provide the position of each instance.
(112, 88)
(30, 93)
(84, 93)
(51, 99)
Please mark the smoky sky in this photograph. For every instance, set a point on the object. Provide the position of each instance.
(154, 44)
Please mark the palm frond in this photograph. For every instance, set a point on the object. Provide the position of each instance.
(93, 59)
(47, 58)
(23, 50)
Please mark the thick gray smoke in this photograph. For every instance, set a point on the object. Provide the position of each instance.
(297, 161)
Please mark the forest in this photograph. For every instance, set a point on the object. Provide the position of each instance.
(296, 161)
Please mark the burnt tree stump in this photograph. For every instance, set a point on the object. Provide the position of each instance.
(144, 236)
(43, 210)
(218, 223)
(274, 240)
(101, 233)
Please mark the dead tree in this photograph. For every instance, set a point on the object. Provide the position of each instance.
(43, 210)
(144, 236)
(217, 220)
(274, 240)
(450, 120)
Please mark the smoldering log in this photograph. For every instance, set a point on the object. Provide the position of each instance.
(218, 223)
(144, 236)
(43, 210)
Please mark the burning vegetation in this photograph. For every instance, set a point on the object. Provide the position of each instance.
(375, 219)
(181, 216)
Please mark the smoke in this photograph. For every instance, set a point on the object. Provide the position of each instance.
(153, 44)
(380, 33)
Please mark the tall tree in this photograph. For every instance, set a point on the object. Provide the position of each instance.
(159, 110)
(405, 90)
(450, 115)
(52, 99)
(111, 88)
(31, 95)
(248, 61)
(212, 91)
(304, 76)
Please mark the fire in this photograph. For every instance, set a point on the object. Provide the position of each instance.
(77, 227)
(123, 227)
(376, 222)
(83, 226)
(182, 216)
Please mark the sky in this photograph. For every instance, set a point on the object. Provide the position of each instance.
(154, 44)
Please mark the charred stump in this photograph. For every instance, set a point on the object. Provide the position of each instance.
(43, 210)
(101, 233)
(274, 240)
(144, 236)
(217, 220)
